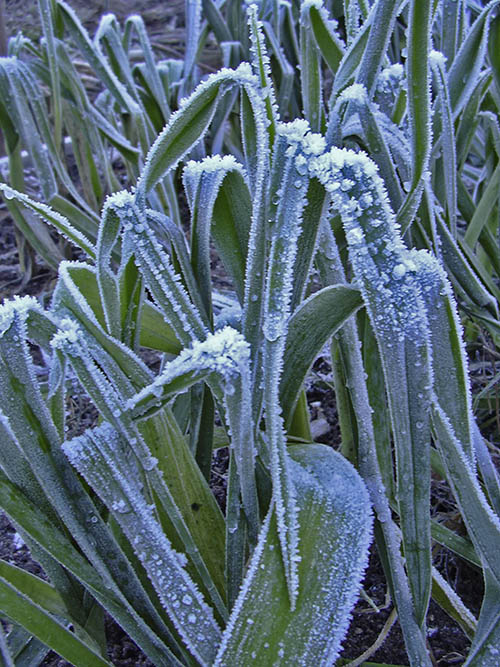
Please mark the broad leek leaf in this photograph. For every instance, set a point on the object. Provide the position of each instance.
(335, 530)
(327, 310)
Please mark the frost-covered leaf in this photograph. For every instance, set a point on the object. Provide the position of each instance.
(256, 147)
(53, 218)
(151, 67)
(22, 98)
(483, 525)
(310, 327)
(96, 59)
(156, 268)
(262, 69)
(450, 370)
(286, 75)
(40, 442)
(75, 298)
(419, 104)
(465, 272)
(445, 596)
(44, 533)
(388, 278)
(487, 468)
(111, 374)
(188, 125)
(381, 20)
(288, 186)
(202, 183)
(468, 62)
(223, 360)
(335, 530)
(193, 32)
(444, 132)
(485, 651)
(310, 71)
(355, 98)
(117, 482)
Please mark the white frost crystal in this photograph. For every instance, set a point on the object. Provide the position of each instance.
(68, 333)
(356, 93)
(437, 58)
(213, 163)
(19, 305)
(224, 352)
(298, 134)
(376, 248)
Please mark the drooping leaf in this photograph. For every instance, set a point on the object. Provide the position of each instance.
(310, 327)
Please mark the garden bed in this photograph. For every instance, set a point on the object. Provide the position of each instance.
(447, 641)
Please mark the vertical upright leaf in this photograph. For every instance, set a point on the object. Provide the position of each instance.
(419, 105)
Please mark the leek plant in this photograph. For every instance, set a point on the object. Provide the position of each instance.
(74, 140)
(373, 190)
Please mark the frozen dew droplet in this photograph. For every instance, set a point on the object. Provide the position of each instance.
(399, 271)
(150, 463)
(187, 599)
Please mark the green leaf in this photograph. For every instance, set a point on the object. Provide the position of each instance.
(310, 73)
(21, 609)
(45, 10)
(308, 240)
(335, 530)
(327, 41)
(484, 651)
(203, 182)
(62, 225)
(483, 209)
(117, 482)
(464, 72)
(37, 590)
(231, 227)
(419, 105)
(310, 327)
(216, 21)
(451, 16)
